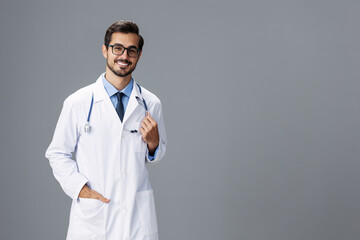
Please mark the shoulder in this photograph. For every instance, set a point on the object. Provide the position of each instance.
(150, 98)
(78, 103)
(153, 103)
(81, 96)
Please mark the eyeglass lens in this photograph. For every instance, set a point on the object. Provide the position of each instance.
(119, 50)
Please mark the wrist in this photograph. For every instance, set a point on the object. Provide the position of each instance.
(152, 148)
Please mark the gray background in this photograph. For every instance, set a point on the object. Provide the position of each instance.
(261, 103)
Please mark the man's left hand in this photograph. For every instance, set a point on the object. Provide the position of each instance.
(150, 133)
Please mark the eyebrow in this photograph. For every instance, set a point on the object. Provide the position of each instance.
(131, 46)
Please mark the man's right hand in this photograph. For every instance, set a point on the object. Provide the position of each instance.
(86, 192)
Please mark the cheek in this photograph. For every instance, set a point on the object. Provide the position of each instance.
(135, 62)
(110, 59)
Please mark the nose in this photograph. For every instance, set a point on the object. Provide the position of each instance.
(124, 55)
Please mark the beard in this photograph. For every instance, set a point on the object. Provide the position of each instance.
(119, 73)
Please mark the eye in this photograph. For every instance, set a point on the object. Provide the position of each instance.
(132, 51)
(118, 48)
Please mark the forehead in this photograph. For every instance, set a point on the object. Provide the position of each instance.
(125, 39)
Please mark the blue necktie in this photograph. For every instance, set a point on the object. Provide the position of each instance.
(120, 106)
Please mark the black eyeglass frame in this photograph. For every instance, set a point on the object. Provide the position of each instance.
(125, 48)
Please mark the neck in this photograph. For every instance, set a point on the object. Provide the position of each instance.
(118, 82)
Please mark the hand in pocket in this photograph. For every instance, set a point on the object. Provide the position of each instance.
(86, 192)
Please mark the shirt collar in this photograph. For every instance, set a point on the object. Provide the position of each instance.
(111, 90)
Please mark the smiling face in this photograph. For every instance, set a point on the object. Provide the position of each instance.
(123, 65)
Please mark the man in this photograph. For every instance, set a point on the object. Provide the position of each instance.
(113, 126)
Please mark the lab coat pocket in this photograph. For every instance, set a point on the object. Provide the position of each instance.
(146, 209)
(89, 219)
(135, 137)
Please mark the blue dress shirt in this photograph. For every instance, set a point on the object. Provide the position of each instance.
(111, 91)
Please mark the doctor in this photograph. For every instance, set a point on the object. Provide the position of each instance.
(113, 127)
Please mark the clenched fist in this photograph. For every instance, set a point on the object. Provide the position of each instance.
(150, 133)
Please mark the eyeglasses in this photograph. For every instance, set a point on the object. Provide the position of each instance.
(119, 49)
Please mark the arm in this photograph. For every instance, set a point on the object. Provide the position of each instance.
(153, 132)
(60, 152)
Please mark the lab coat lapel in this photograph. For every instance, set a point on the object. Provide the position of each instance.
(133, 102)
(99, 90)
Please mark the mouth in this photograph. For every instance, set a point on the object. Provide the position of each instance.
(122, 64)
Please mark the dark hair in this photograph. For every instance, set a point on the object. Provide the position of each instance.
(123, 26)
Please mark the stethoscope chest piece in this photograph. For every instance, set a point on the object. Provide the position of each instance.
(87, 128)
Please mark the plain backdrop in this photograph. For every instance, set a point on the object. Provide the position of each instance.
(261, 104)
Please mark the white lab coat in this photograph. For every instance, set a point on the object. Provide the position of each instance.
(111, 160)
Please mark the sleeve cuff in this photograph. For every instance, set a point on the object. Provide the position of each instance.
(153, 157)
(74, 185)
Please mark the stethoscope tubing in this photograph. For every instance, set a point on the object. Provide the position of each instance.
(87, 127)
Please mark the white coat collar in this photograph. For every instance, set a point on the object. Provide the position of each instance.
(134, 99)
(100, 92)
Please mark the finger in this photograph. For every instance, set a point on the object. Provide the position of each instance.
(148, 121)
(96, 195)
(143, 125)
(151, 121)
(102, 198)
(144, 134)
(145, 121)
(150, 117)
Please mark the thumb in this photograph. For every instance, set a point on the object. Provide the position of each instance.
(103, 199)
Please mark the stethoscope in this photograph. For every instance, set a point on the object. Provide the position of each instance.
(87, 127)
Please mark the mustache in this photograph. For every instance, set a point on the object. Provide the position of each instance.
(124, 61)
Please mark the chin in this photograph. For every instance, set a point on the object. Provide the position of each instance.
(119, 74)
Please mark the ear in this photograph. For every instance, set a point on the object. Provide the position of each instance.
(139, 55)
(104, 51)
